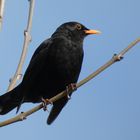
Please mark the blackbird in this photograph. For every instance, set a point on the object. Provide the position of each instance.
(54, 66)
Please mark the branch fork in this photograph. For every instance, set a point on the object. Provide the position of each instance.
(117, 57)
(28, 36)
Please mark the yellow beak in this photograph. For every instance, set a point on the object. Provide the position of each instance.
(92, 32)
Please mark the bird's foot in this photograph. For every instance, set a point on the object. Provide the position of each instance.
(45, 102)
(70, 88)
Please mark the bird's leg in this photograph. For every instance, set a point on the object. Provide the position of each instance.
(45, 102)
(70, 88)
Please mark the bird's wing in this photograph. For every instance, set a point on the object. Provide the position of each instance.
(56, 109)
(37, 61)
(44, 45)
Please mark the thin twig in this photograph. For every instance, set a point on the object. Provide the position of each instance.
(27, 40)
(115, 58)
(2, 3)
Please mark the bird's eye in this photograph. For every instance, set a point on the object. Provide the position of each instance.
(78, 27)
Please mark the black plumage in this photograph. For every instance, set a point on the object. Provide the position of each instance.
(55, 64)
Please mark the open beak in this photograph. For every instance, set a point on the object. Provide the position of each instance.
(88, 32)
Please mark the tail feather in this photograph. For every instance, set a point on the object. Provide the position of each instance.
(56, 109)
(9, 101)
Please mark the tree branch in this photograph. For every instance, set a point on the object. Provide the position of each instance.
(2, 3)
(115, 58)
(27, 40)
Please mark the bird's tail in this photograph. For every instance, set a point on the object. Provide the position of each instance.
(10, 100)
(56, 109)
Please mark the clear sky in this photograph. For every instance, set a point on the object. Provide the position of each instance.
(106, 108)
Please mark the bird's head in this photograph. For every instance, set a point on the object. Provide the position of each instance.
(75, 31)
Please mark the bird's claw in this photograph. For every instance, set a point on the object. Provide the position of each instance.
(71, 87)
(45, 102)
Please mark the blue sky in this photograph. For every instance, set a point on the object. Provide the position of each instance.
(106, 108)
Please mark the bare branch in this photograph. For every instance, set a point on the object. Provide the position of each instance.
(2, 3)
(27, 39)
(115, 58)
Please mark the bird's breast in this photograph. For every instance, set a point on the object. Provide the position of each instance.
(65, 62)
(69, 58)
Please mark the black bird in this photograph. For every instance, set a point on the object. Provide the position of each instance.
(55, 65)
